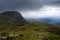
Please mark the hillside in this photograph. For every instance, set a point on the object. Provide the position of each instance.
(31, 31)
(11, 18)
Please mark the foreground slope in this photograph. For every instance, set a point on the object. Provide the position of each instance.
(11, 18)
(31, 31)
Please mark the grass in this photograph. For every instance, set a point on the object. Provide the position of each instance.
(31, 31)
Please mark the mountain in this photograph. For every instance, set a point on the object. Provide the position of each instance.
(11, 18)
(31, 31)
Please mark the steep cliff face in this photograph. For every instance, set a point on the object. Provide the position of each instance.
(11, 18)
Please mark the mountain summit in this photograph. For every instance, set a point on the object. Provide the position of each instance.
(11, 18)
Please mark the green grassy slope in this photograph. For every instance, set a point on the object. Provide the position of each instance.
(31, 31)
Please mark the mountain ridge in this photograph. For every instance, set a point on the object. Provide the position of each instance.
(12, 18)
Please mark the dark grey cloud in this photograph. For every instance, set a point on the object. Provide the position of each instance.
(19, 4)
(50, 2)
(25, 4)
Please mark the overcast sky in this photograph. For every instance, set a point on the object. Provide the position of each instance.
(32, 8)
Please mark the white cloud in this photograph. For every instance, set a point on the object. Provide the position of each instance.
(45, 11)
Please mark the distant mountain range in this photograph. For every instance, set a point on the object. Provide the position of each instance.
(11, 18)
(55, 21)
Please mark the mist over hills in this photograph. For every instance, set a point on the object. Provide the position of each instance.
(55, 21)
(14, 17)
